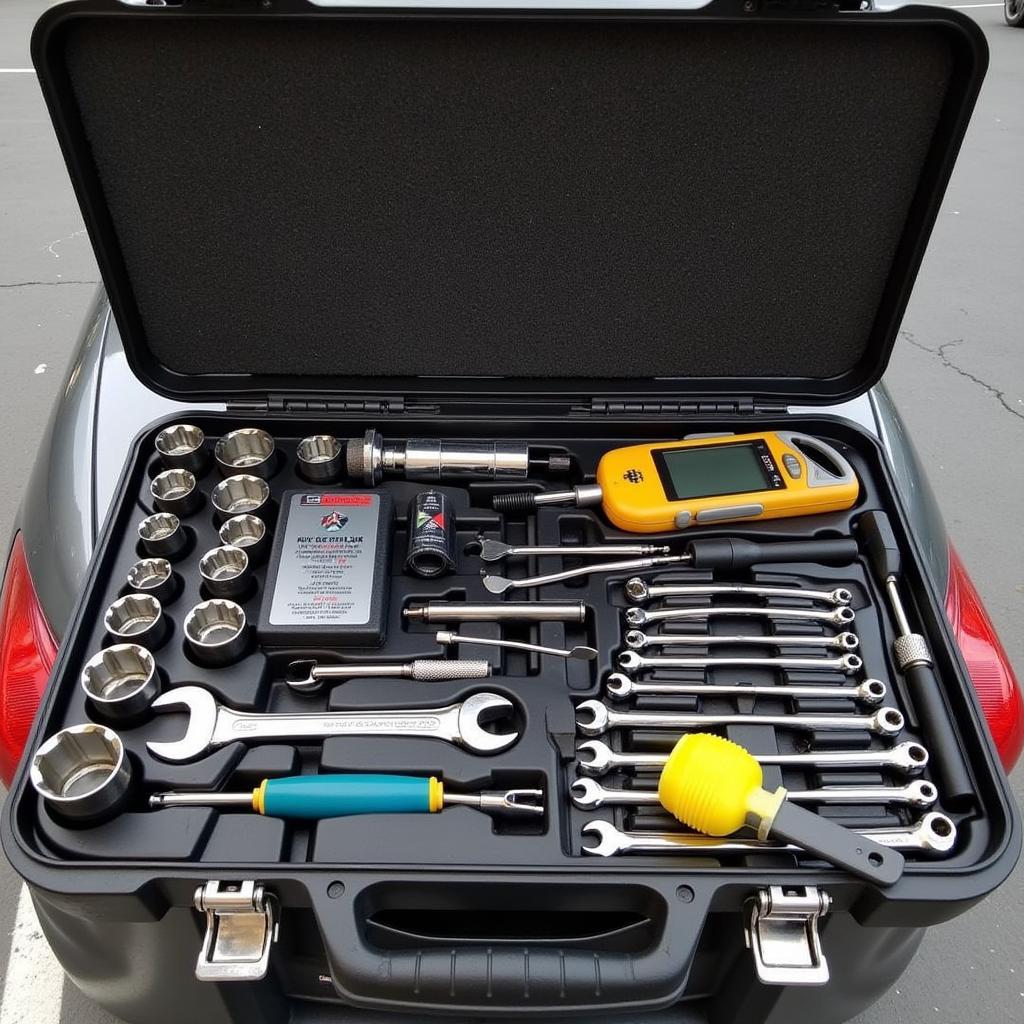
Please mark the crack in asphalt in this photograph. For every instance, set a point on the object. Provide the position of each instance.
(42, 284)
(940, 353)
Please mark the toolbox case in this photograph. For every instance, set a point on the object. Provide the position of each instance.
(579, 228)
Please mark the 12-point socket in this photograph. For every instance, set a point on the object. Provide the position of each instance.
(249, 533)
(163, 536)
(121, 681)
(242, 494)
(181, 447)
(176, 491)
(216, 632)
(225, 571)
(136, 619)
(249, 450)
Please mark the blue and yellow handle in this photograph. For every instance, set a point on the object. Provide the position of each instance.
(334, 796)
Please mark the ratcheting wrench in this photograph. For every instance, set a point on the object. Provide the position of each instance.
(588, 794)
(594, 718)
(211, 725)
(636, 640)
(621, 687)
(495, 550)
(848, 663)
(934, 834)
(596, 758)
(837, 617)
(640, 590)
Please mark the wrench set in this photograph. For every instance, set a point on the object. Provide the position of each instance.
(568, 680)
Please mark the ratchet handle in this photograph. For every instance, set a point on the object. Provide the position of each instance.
(336, 796)
(736, 553)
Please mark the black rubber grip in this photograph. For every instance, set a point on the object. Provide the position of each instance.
(879, 545)
(736, 553)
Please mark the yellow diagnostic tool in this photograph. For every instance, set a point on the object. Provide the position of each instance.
(651, 488)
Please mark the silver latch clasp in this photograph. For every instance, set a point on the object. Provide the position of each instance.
(241, 926)
(782, 933)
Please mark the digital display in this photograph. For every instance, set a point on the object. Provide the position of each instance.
(704, 472)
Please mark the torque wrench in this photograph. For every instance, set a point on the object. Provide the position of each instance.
(371, 458)
(914, 659)
(594, 718)
(596, 758)
(212, 725)
(621, 687)
(499, 584)
(498, 611)
(636, 640)
(579, 653)
(848, 663)
(334, 796)
(308, 676)
(837, 617)
(588, 794)
(639, 591)
(934, 834)
(495, 550)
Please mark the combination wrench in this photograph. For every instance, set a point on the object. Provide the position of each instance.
(848, 663)
(588, 795)
(620, 687)
(596, 758)
(495, 550)
(637, 640)
(837, 617)
(934, 834)
(594, 718)
(639, 590)
(211, 725)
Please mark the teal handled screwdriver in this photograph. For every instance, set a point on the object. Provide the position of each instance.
(336, 796)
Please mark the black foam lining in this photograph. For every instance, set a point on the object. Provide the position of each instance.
(522, 198)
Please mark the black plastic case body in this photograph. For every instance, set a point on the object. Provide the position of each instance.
(454, 914)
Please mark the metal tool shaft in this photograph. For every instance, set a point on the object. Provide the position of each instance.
(498, 611)
(579, 653)
(499, 584)
(495, 550)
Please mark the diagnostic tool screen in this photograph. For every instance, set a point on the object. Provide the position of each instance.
(715, 469)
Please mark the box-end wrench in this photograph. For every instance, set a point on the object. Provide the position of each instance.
(211, 725)
(495, 550)
(596, 758)
(934, 834)
(637, 640)
(837, 617)
(848, 663)
(639, 590)
(594, 718)
(620, 687)
(589, 794)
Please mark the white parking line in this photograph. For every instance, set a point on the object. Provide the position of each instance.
(34, 982)
(17, 71)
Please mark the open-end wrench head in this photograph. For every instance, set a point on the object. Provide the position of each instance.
(609, 841)
(591, 718)
(493, 550)
(636, 589)
(871, 691)
(635, 639)
(586, 794)
(636, 616)
(618, 686)
(887, 722)
(629, 660)
(202, 719)
(594, 757)
(484, 707)
(300, 677)
(497, 584)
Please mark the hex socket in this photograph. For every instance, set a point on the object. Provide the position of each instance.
(176, 491)
(121, 681)
(242, 494)
(320, 458)
(155, 577)
(83, 773)
(249, 450)
(216, 632)
(136, 619)
(225, 571)
(181, 447)
(249, 533)
(163, 536)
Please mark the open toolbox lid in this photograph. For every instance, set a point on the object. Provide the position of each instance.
(289, 199)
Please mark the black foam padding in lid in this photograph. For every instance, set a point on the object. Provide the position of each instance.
(319, 202)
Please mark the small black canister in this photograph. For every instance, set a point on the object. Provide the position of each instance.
(431, 536)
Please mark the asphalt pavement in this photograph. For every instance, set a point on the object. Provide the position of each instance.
(957, 374)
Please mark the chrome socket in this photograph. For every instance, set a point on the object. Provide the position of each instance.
(320, 458)
(241, 495)
(136, 619)
(176, 491)
(121, 681)
(225, 571)
(82, 773)
(249, 450)
(249, 533)
(216, 632)
(155, 577)
(163, 536)
(181, 447)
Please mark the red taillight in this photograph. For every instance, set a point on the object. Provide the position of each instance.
(27, 653)
(987, 663)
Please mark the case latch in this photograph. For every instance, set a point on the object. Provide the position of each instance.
(782, 933)
(241, 926)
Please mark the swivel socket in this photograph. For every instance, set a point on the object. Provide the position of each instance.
(136, 619)
(181, 447)
(121, 681)
(320, 458)
(163, 536)
(241, 495)
(250, 450)
(153, 577)
(249, 533)
(216, 632)
(225, 571)
(176, 491)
